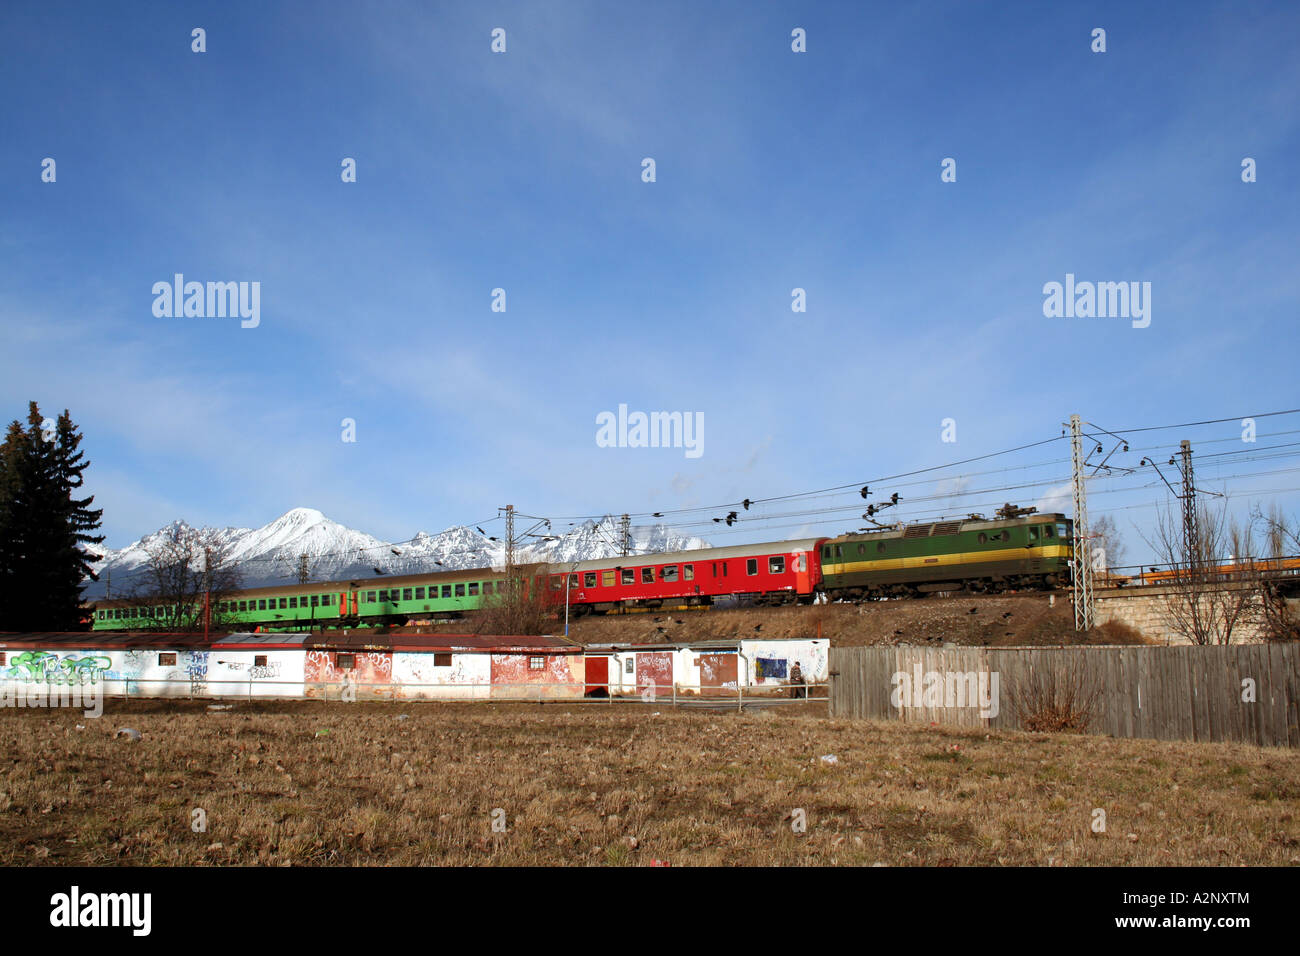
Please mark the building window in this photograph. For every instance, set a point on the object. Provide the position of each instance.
(627, 666)
(259, 660)
(442, 660)
(536, 663)
(776, 565)
(751, 566)
(167, 659)
(345, 662)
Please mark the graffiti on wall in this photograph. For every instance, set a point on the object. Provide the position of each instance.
(47, 667)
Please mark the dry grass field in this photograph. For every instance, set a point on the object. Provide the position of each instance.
(618, 785)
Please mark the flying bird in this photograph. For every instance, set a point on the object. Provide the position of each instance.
(479, 530)
(378, 570)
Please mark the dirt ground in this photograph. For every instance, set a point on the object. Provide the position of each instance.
(990, 621)
(625, 784)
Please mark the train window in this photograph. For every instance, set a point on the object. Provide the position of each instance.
(589, 579)
(101, 615)
(261, 604)
(419, 594)
(880, 547)
(243, 605)
(573, 580)
(826, 551)
(776, 565)
(839, 551)
(647, 575)
(803, 562)
(715, 569)
(668, 574)
(1033, 534)
(326, 600)
(606, 579)
(629, 576)
(473, 589)
(293, 602)
(167, 659)
(983, 538)
(460, 590)
(1061, 531)
(1047, 531)
(688, 572)
(407, 594)
(370, 597)
(442, 659)
(557, 582)
(383, 595)
(446, 590)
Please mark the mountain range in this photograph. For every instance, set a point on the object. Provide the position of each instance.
(272, 554)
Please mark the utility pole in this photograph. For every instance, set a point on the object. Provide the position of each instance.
(625, 535)
(207, 592)
(510, 549)
(1191, 533)
(1082, 542)
(303, 574)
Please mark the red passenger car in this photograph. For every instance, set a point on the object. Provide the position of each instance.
(781, 572)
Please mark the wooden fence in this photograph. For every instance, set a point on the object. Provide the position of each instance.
(1248, 693)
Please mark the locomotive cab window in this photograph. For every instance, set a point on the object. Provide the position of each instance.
(1047, 531)
(776, 565)
(1061, 532)
(1033, 534)
(826, 551)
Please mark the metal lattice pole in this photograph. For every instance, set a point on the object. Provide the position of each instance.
(625, 535)
(1082, 542)
(1191, 533)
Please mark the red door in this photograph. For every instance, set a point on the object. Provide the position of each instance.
(654, 669)
(717, 672)
(597, 676)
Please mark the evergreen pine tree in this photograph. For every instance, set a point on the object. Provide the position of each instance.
(42, 566)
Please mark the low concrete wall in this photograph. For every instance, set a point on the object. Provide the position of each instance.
(1146, 609)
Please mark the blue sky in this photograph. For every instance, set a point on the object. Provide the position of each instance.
(522, 171)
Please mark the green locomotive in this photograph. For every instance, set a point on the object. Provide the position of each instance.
(974, 554)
